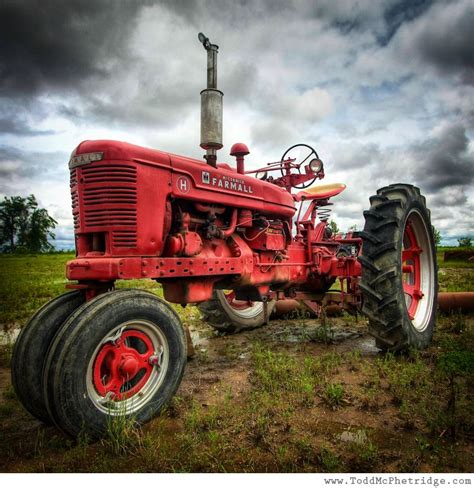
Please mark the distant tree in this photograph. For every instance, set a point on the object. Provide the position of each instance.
(465, 242)
(334, 228)
(352, 228)
(437, 236)
(24, 226)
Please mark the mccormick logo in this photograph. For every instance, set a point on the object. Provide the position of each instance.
(226, 182)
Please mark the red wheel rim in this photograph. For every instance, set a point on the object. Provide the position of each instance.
(237, 304)
(411, 265)
(123, 367)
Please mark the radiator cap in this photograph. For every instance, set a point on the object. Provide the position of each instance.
(239, 149)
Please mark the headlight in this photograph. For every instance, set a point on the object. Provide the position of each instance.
(316, 165)
(261, 175)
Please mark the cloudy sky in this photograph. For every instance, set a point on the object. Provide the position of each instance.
(382, 89)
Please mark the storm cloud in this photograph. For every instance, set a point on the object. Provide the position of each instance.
(383, 90)
(54, 45)
(445, 160)
(444, 38)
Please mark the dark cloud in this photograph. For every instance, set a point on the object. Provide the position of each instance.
(17, 125)
(450, 197)
(17, 165)
(400, 12)
(451, 47)
(51, 45)
(444, 39)
(444, 161)
(21, 116)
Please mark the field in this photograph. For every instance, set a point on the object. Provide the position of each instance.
(293, 396)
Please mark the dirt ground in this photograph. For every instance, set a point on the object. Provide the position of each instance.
(249, 402)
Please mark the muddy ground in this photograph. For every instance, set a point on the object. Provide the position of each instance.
(290, 396)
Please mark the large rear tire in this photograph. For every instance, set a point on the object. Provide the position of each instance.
(399, 269)
(31, 347)
(226, 314)
(121, 354)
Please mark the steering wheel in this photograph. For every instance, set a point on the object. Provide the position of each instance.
(310, 152)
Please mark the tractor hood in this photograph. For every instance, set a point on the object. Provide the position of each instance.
(191, 179)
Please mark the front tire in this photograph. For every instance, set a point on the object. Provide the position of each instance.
(31, 347)
(399, 269)
(121, 354)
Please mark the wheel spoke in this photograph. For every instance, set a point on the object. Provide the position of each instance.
(408, 289)
(123, 364)
(411, 267)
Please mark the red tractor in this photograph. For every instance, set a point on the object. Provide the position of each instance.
(197, 229)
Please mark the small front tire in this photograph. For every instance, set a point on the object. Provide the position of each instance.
(121, 354)
(31, 348)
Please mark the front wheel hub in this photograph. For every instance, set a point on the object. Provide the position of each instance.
(125, 369)
(128, 366)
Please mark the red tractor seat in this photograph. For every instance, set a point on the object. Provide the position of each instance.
(320, 192)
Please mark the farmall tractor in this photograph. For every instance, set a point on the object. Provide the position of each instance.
(199, 228)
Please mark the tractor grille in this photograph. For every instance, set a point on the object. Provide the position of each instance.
(109, 199)
(74, 198)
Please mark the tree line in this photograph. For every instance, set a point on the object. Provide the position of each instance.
(24, 226)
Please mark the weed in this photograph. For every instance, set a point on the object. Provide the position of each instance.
(122, 433)
(231, 351)
(202, 355)
(367, 451)
(330, 461)
(324, 334)
(305, 450)
(199, 420)
(274, 370)
(354, 360)
(455, 365)
(329, 363)
(39, 441)
(229, 395)
(333, 395)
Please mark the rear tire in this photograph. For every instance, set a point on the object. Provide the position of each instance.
(399, 284)
(121, 354)
(226, 314)
(31, 347)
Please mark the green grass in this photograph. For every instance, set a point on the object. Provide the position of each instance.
(289, 417)
(29, 281)
(334, 394)
(453, 263)
(456, 279)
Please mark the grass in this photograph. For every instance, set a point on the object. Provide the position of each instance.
(334, 394)
(27, 282)
(453, 263)
(416, 409)
(122, 434)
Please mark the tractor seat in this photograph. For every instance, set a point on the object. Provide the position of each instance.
(321, 192)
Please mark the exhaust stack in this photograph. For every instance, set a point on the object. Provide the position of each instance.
(211, 106)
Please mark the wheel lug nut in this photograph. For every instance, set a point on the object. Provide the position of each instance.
(154, 360)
